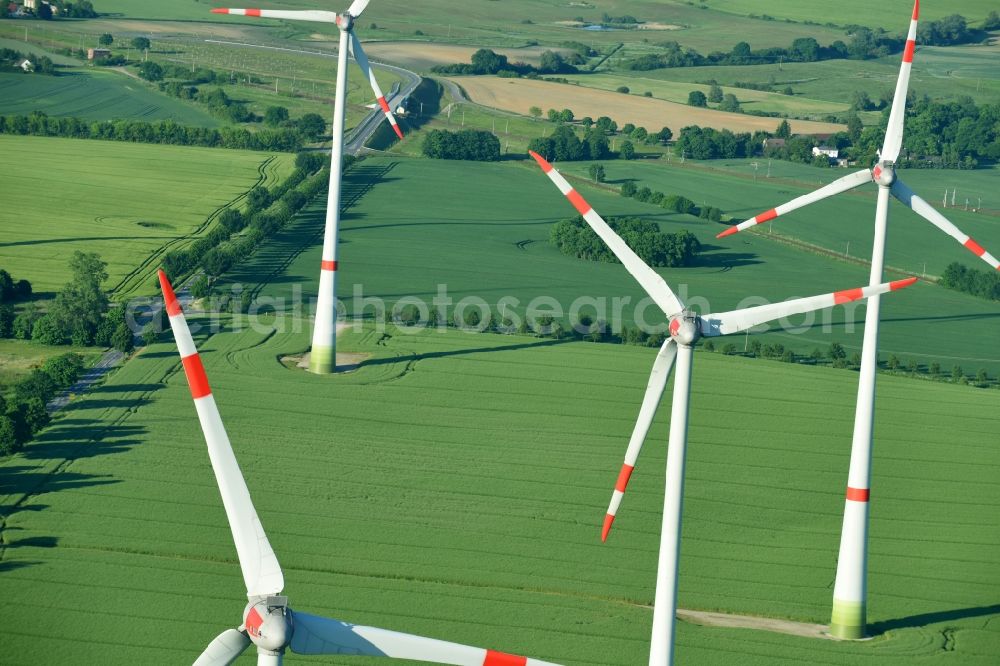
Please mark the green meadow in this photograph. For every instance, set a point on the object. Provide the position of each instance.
(892, 16)
(486, 235)
(95, 95)
(454, 486)
(131, 202)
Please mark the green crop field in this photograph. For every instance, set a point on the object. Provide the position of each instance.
(892, 15)
(672, 91)
(940, 73)
(95, 95)
(492, 225)
(18, 357)
(130, 202)
(455, 485)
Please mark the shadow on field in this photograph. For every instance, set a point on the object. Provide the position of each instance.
(462, 352)
(49, 241)
(923, 619)
(715, 256)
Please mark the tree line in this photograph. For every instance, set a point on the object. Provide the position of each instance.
(486, 61)
(23, 412)
(79, 315)
(240, 233)
(162, 132)
(864, 43)
(469, 144)
(984, 284)
(575, 238)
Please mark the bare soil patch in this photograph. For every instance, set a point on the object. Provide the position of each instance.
(519, 95)
(775, 625)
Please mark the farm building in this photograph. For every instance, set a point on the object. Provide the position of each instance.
(94, 54)
(25, 64)
(829, 151)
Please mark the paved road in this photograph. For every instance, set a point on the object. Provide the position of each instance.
(354, 142)
(112, 358)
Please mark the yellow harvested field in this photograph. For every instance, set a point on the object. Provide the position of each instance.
(423, 55)
(519, 95)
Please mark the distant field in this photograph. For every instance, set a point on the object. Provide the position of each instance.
(521, 94)
(95, 95)
(127, 202)
(941, 73)
(750, 100)
(892, 15)
(422, 56)
(493, 221)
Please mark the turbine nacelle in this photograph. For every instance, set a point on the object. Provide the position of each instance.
(685, 328)
(268, 623)
(345, 21)
(884, 173)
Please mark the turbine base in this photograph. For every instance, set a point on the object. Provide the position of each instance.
(848, 620)
(323, 360)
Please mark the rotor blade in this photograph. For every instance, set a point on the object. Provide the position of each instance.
(320, 635)
(926, 211)
(362, 60)
(357, 7)
(224, 649)
(724, 323)
(894, 130)
(836, 187)
(649, 279)
(261, 571)
(662, 366)
(315, 15)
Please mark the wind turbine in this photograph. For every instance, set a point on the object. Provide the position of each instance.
(268, 621)
(848, 619)
(323, 354)
(685, 328)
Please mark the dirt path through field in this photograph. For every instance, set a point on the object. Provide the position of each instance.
(520, 95)
(775, 625)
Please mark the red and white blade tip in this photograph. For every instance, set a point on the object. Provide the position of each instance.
(608, 520)
(240, 12)
(916, 9)
(542, 162)
(848, 295)
(169, 298)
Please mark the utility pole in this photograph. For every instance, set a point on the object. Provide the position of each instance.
(953, 191)
(848, 253)
(944, 204)
(507, 130)
(966, 203)
(769, 167)
(755, 165)
(463, 116)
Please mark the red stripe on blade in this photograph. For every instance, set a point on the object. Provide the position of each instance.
(253, 12)
(169, 298)
(546, 167)
(220, 10)
(900, 284)
(578, 202)
(975, 247)
(847, 296)
(908, 51)
(764, 217)
(608, 519)
(383, 104)
(623, 477)
(195, 373)
(858, 494)
(399, 132)
(494, 658)
(728, 232)
(916, 9)
(328, 265)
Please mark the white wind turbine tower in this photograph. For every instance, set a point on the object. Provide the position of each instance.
(323, 354)
(685, 328)
(848, 618)
(268, 621)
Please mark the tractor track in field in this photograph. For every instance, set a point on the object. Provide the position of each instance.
(131, 280)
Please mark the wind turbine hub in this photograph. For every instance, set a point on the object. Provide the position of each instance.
(884, 174)
(685, 328)
(268, 622)
(345, 21)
